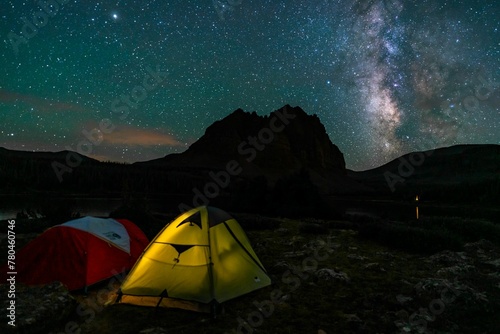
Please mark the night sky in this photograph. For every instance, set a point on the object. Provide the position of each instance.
(385, 77)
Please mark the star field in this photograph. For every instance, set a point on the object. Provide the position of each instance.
(386, 77)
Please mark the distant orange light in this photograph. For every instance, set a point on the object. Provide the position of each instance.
(416, 208)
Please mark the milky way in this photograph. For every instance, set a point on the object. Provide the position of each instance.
(376, 74)
(385, 76)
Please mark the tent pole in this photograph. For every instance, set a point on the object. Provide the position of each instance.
(163, 294)
(85, 289)
(119, 296)
(210, 267)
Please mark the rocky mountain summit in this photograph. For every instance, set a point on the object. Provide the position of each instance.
(284, 142)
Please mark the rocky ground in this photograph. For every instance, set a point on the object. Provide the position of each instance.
(37, 309)
(325, 280)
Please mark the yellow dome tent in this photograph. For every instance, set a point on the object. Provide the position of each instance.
(201, 259)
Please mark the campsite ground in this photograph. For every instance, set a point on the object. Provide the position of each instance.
(335, 277)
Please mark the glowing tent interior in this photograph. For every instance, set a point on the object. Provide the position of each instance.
(199, 260)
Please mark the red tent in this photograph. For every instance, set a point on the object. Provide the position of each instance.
(80, 252)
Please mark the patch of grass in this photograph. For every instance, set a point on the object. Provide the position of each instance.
(467, 229)
(313, 228)
(256, 222)
(430, 234)
(342, 225)
(412, 238)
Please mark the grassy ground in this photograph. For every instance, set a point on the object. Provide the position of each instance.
(369, 298)
(377, 288)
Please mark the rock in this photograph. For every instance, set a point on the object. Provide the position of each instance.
(405, 282)
(373, 266)
(354, 322)
(356, 257)
(457, 293)
(295, 241)
(495, 275)
(38, 308)
(456, 270)
(403, 326)
(295, 254)
(281, 266)
(433, 286)
(154, 330)
(495, 263)
(284, 298)
(449, 258)
(403, 299)
(403, 314)
(351, 318)
(333, 245)
(314, 221)
(328, 275)
(282, 230)
(418, 324)
(319, 244)
(480, 246)
(386, 255)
